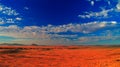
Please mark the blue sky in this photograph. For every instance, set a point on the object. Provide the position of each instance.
(66, 22)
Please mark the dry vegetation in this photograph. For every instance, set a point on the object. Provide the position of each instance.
(60, 56)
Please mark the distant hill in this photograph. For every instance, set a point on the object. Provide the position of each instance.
(8, 44)
(34, 45)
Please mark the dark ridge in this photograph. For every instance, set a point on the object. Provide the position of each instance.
(14, 44)
(47, 49)
(73, 48)
(34, 45)
(11, 51)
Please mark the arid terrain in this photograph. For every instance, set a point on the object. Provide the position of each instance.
(60, 56)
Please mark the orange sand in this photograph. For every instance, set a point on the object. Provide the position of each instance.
(60, 56)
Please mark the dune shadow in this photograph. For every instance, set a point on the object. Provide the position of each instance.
(46, 49)
(79, 47)
(73, 48)
(11, 51)
(118, 60)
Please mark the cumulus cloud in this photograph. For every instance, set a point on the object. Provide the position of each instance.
(36, 31)
(7, 10)
(51, 33)
(26, 8)
(104, 13)
(117, 8)
(106, 35)
(101, 14)
(92, 2)
(8, 15)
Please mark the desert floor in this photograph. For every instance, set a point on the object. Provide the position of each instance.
(60, 56)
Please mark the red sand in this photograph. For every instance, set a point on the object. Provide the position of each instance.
(60, 56)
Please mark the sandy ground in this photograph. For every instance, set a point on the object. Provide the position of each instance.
(60, 56)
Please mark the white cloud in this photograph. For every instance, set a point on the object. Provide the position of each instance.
(50, 34)
(26, 8)
(45, 31)
(101, 14)
(106, 35)
(8, 15)
(92, 3)
(18, 18)
(117, 9)
(104, 13)
(109, 3)
(7, 10)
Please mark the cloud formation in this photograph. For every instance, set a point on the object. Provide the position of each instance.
(35, 31)
(8, 15)
(104, 13)
(51, 33)
(72, 33)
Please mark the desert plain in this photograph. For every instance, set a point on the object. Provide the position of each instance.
(60, 56)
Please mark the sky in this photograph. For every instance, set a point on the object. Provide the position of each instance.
(60, 22)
